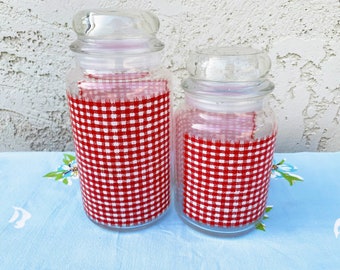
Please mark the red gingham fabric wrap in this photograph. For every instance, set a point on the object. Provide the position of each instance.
(226, 183)
(122, 149)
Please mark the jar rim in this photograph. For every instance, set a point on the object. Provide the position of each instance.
(227, 90)
(116, 47)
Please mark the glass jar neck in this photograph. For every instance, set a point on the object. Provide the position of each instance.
(237, 97)
(224, 105)
(118, 63)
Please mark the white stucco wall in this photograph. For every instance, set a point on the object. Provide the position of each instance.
(301, 36)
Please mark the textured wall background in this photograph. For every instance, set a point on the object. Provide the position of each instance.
(301, 36)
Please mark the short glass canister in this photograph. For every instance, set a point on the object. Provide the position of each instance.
(224, 137)
(119, 100)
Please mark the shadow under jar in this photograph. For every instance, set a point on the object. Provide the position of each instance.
(119, 101)
(225, 137)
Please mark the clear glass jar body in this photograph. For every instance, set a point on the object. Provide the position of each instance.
(225, 136)
(119, 101)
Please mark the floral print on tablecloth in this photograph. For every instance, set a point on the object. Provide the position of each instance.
(66, 172)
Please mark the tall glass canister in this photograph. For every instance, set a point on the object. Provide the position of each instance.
(119, 102)
(225, 136)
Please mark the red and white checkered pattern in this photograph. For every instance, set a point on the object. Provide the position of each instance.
(226, 183)
(121, 135)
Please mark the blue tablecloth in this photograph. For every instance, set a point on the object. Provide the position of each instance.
(43, 225)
